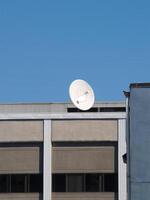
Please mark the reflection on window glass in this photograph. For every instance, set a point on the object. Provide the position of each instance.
(75, 183)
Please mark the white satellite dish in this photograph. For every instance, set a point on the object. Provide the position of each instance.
(81, 94)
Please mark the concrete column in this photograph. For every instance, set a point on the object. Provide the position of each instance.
(122, 167)
(47, 169)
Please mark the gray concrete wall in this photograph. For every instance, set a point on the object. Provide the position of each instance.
(62, 130)
(84, 130)
(139, 144)
(48, 107)
(84, 196)
(20, 160)
(21, 196)
(84, 159)
(60, 196)
(21, 131)
(33, 108)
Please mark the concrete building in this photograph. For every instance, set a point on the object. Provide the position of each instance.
(138, 137)
(78, 153)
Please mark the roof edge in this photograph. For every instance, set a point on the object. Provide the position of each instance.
(140, 85)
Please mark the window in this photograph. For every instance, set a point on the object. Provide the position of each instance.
(92, 183)
(75, 183)
(21, 183)
(18, 183)
(59, 183)
(98, 109)
(111, 183)
(94, 109)
(35, 183)
(84, 183)
(3, 183)
(112, 109)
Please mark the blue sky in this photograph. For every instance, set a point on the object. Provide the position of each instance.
(45, 45)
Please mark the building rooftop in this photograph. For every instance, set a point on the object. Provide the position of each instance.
(117, 106)
(140, 85)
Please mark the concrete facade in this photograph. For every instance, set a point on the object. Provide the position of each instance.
(46, 138)
(139, 142)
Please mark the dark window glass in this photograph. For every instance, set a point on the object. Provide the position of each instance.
(92, 183)
(94, 109)
(75, 183)
(101, 182)
(72, 109)
(110, 183)
(59, 183)
(18, 183)
(113, 109)
(36, 183)
(3, 183)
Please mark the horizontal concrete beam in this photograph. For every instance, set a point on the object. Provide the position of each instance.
(25, 116)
